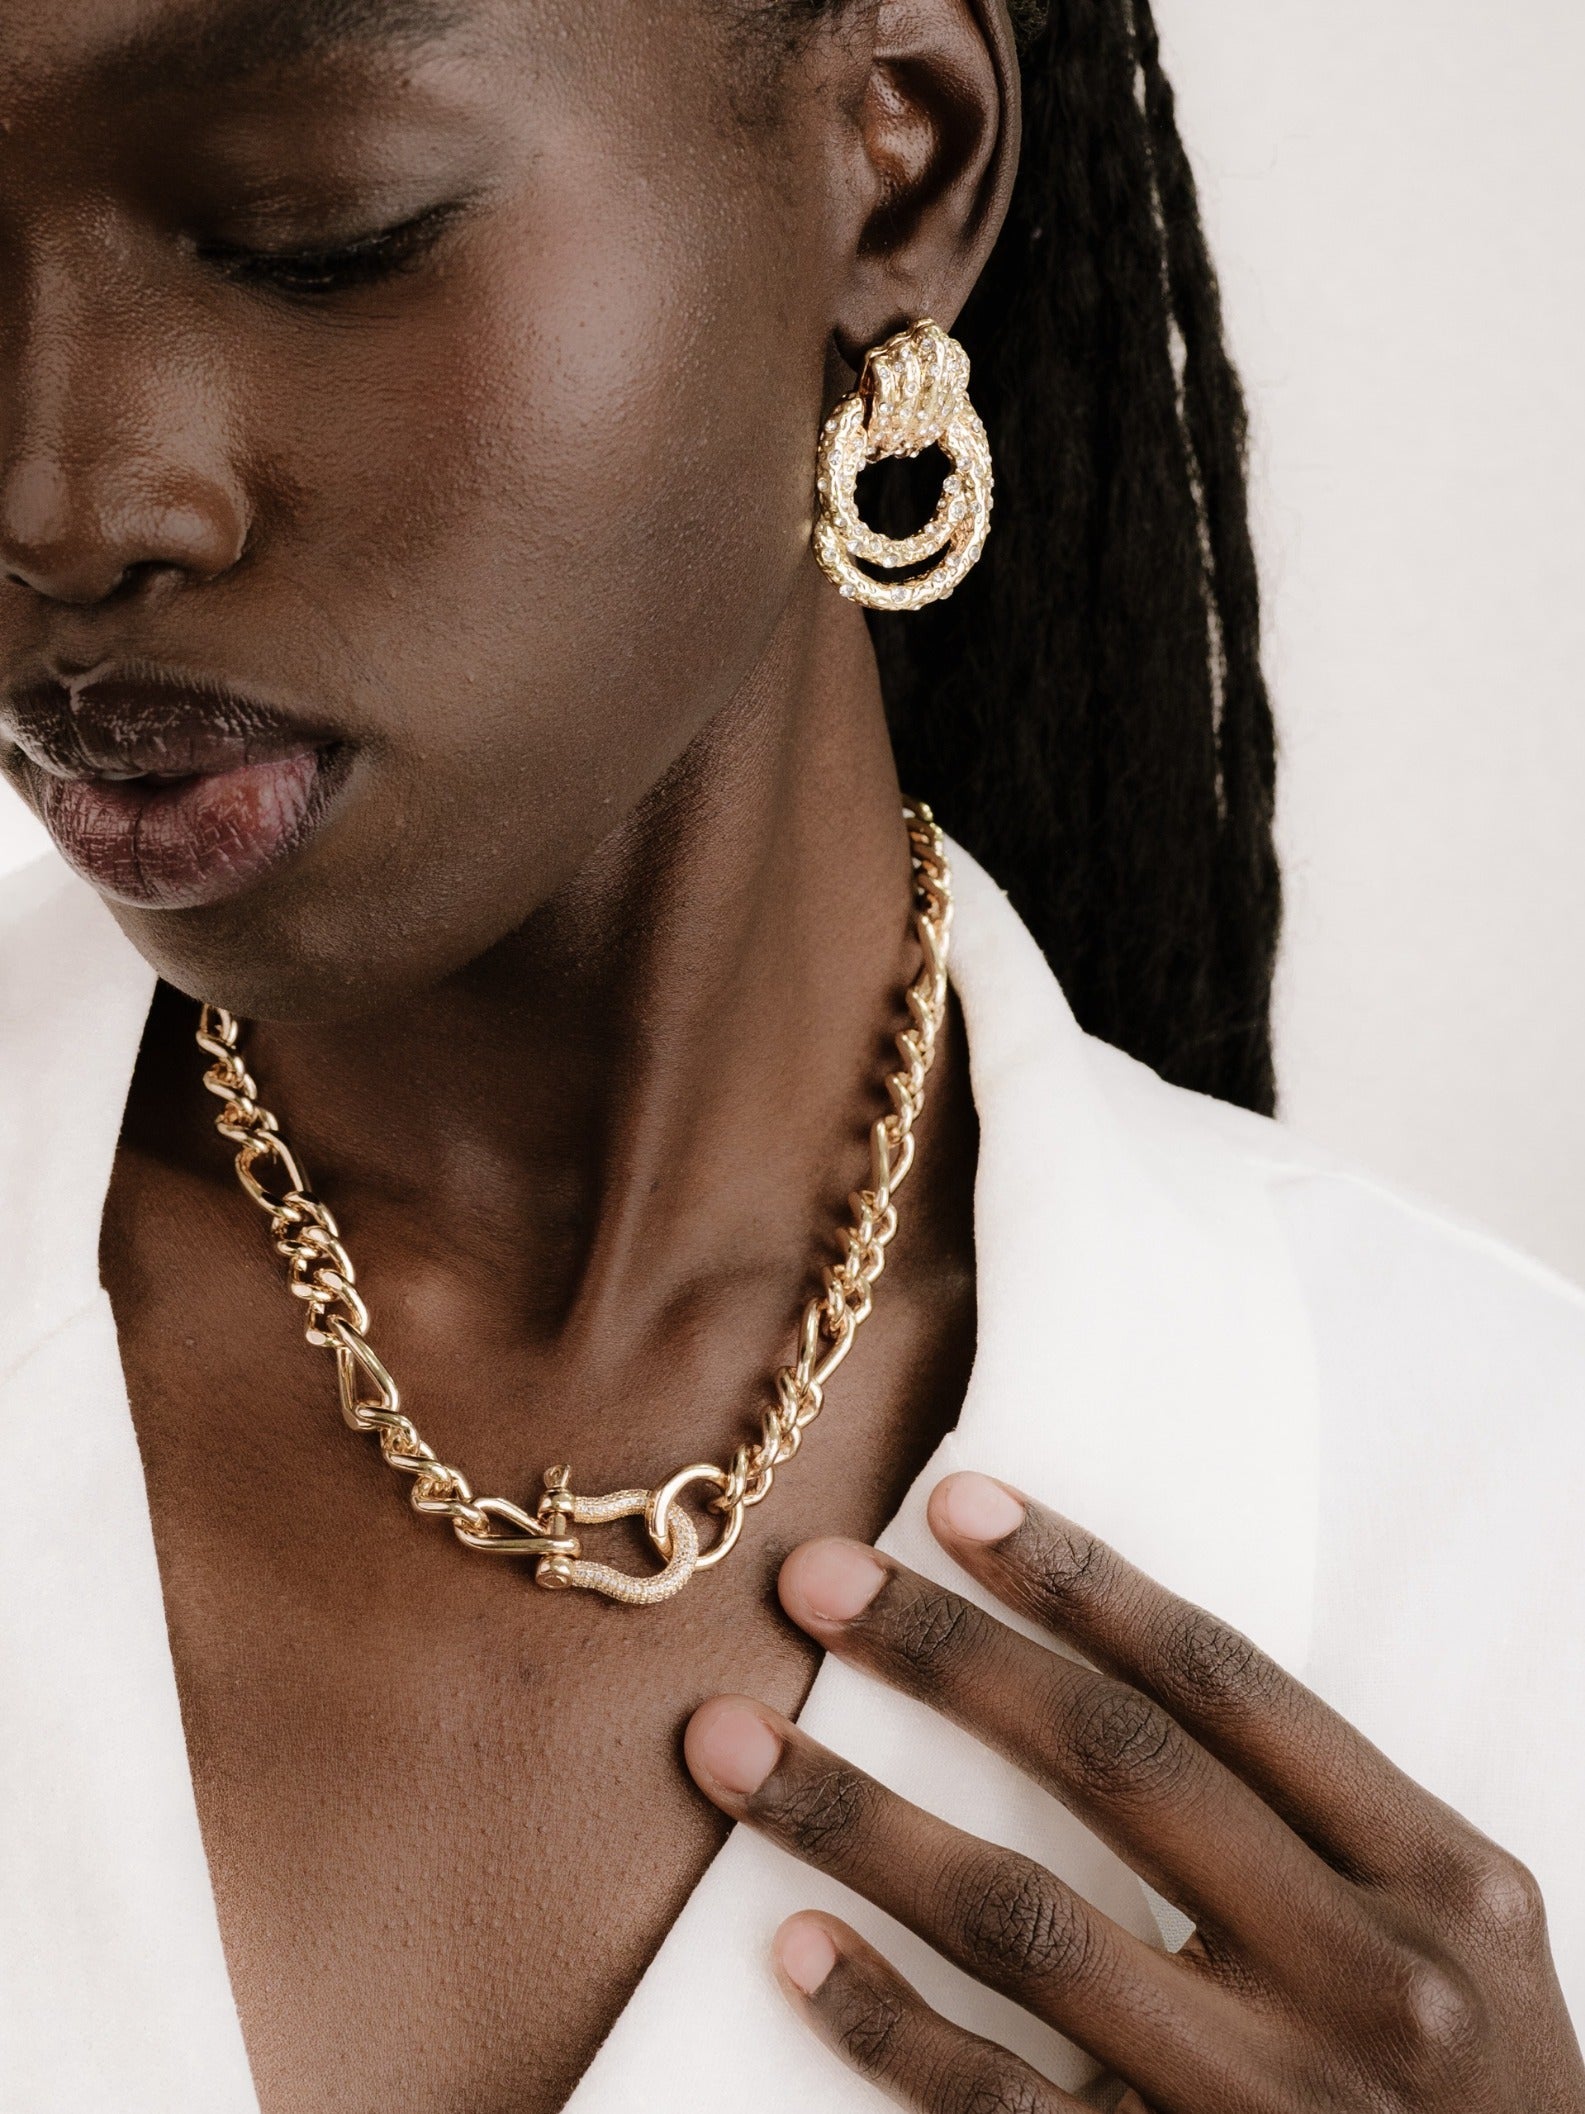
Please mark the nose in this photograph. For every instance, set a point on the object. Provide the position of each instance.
(85, 539)
(114, 473)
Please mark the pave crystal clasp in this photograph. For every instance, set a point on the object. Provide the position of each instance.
(670, 1529)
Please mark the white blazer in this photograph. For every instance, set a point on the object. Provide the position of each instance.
(1340, 1419)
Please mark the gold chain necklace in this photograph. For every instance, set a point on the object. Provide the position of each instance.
(320, 1273)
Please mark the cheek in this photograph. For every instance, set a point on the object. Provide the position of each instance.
(584, 479)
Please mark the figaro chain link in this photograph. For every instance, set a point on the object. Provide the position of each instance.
(319, 1272)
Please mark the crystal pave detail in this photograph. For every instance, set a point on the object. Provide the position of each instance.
(560, 1509)
(320, 1273)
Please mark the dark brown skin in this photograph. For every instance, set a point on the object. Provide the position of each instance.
(577, 1003)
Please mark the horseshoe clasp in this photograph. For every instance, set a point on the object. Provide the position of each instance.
(673, 1533)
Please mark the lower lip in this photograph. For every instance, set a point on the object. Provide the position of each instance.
(190, 841)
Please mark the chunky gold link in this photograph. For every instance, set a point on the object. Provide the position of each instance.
(319, 1272)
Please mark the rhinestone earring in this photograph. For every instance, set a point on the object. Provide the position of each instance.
(912, 394)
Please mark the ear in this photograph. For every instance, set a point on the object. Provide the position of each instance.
(937, 123)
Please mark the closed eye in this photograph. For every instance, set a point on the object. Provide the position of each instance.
(319, 272)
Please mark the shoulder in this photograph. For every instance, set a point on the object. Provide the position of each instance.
(1381, 1267)
(1449, 1364)
(1427, 1315)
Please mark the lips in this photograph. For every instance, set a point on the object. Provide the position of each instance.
(169, 793)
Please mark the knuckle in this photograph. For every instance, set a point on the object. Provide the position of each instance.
(866, 2022)
(1214, 1663)
(1501, 1899)
(1434, 2017)
(1068, 1566)
(927, 1627)
(995, 2087)
(1118, 1744)
(1020, 1926)
(821, 1812)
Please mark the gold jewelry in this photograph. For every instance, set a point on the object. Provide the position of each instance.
(912, 394)
(320, 1273)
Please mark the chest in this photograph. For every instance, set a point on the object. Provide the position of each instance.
(444, 1816)
(444, 1813)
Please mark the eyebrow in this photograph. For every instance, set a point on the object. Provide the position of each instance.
(228, 40)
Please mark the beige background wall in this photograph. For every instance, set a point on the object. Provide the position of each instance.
(1397, 196)
(1396, 193)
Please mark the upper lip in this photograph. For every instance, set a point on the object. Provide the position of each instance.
(132, 723)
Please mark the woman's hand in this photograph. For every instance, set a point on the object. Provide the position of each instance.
(1358, 1946)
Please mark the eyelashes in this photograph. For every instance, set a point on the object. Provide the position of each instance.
(315, 274)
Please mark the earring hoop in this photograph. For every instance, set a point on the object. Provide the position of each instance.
(913, 394)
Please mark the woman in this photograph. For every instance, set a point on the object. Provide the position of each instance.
(419, 633)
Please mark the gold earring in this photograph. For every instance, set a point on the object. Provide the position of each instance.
(912, 394)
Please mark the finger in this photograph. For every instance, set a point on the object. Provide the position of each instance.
(998, 1915)
(880, 2025)
(1308, 1763)
(1173, 1812)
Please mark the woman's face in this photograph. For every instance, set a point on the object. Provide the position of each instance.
(438, 547)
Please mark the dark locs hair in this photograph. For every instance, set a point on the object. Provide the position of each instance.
(1087, 714)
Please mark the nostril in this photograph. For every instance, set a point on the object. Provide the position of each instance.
(142, 575)
(88, 583)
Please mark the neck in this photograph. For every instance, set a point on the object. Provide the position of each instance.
(664, 1078)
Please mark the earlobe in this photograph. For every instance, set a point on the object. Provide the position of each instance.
(939, 123)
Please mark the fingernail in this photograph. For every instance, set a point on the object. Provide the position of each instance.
(831, 1580)
(976, 1509)
(805, 1953)
(732, 1744)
